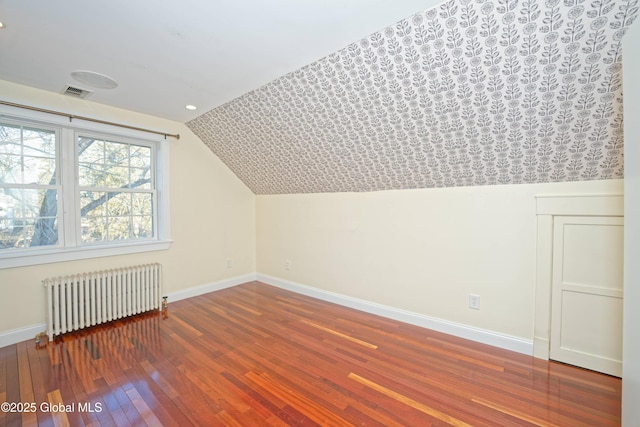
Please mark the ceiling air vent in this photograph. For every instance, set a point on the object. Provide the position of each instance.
(76, 92)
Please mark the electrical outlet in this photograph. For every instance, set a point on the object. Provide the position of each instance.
(229, 263)
(474, 301)
(287, 264)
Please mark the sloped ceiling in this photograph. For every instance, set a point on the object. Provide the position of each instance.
(468, 93)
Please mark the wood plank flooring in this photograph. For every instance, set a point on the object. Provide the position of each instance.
(256, 355)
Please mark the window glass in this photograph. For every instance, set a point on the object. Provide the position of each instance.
(116, 190)
(111, 194)
(28, 187)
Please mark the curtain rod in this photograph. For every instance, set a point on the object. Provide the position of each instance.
(88, 119)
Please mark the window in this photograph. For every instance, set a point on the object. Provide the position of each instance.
(116, 190)
(28, 180)
(68, 193)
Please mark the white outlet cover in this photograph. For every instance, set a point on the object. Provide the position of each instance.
(474, 301)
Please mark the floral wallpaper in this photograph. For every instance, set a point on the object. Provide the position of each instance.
(471, 92)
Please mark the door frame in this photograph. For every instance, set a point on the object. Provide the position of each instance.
(548, 207)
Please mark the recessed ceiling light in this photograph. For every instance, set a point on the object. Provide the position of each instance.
(93, 79)
(190, 107)
(1, 25)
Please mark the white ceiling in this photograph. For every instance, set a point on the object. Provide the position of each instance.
(165, 54)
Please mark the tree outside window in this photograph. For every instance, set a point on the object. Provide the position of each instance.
(28, 187)
(114, 189)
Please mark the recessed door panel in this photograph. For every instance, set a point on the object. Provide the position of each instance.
(586, 308)
(592, 254)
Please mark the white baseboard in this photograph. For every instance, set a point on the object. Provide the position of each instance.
(29, 332)
(210, 287)
(15, 336)
(475, 334)
(463, 331)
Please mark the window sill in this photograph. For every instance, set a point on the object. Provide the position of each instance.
(48, 256)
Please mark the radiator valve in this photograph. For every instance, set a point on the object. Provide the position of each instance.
(39, 337)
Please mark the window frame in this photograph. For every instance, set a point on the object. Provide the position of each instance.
(33, 186)
(70, 246)
(79, 188)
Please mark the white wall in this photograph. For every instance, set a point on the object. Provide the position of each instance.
(631, 334)
(422, 251)
(212, 218)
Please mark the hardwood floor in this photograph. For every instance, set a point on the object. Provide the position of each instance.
(256, 355)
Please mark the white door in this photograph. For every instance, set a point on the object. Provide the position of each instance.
(586, 299)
